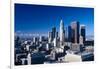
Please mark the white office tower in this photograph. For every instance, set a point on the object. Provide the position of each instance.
(27, 47)
(47, 47)
(40, 39)
(55, 42)
(29, 58)
(61, 33)
(49, 37)
(34, 39)
(81, 40)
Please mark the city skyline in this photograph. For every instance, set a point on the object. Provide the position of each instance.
(64, 38)
(28, 18)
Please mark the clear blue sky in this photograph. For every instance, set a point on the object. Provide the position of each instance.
(31, 18)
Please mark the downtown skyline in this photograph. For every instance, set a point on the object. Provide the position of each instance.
(50, 34)
(38, 19)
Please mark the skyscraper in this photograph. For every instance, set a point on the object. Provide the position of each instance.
(75, 31)
(53, 32)
(81, 40)
(40, 39)
(69, 34)
(62, 33)
(83, 33)
(49, 37)
(52, 35)
(66, 33)
(55, 42)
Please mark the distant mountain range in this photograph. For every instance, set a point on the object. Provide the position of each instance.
(90, 37)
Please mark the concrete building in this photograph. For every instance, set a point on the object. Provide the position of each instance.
(83, 32)
(62, 33)
(75, 31)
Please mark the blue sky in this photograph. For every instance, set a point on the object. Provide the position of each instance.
(30, 18)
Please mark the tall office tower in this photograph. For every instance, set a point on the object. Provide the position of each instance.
(57, 34)
(75, 31)
(40, 39)
(83, 33)
(37, 40)
(69, 34)
(55, 42)
(81, 45)
(49, 37)
(27, 47)
(62, 33)
(53, 32)
(66, 33)
(17, 42)
(81, 40)
(47, 46)
(34, 39)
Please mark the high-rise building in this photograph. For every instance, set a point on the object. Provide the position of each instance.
(17, 42)
(40, 39)
(53, 32)
(69, 34)
(55, 42)
(81, 45)
(62, 33)
(47, 46)
(66, 33)
(75, 31)
(57, 34)
(49, 37)
(81, 40)
(34, 39)
(83, 32)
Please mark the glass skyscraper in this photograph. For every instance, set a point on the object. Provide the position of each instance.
(83, 32)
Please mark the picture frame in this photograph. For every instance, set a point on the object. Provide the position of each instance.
(13, 28)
